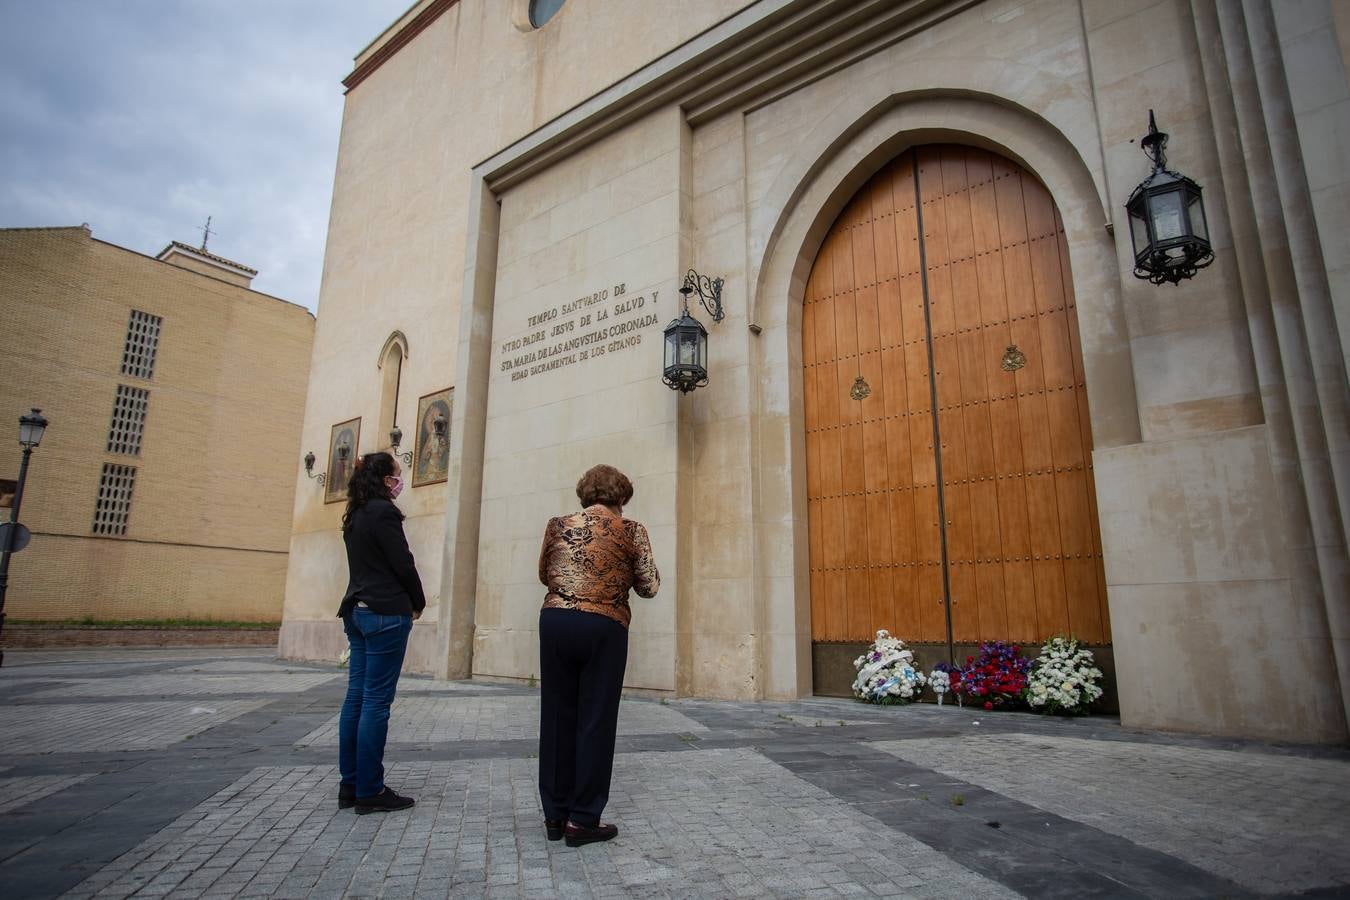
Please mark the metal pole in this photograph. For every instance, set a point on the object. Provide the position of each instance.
(9, 541)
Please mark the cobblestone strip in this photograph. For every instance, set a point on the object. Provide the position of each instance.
(193, 685)
(17, 792)
(427, 685)
(433, 719)
(723, 823)
(1027, 849)
(247, 666)
(24, 657)
(84, 727)
(1269, 822)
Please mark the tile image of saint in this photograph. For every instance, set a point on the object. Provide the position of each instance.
(432, 462)
(340, 469)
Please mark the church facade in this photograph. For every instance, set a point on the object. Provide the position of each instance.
(938, 399)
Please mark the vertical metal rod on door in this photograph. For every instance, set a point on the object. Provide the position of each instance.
(933, 400)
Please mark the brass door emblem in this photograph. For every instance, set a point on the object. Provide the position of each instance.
(1013, 359)
(861, 390)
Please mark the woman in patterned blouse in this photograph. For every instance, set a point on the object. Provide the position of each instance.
(589, 562)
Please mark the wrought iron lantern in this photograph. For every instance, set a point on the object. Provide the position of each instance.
(687, 340)
(686, 354)
(344, 450)
(396, 438)
(1167, 219)
(439, 426)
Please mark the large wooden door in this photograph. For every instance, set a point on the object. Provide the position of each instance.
(977, 313)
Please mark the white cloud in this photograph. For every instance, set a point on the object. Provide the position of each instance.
(143, 118)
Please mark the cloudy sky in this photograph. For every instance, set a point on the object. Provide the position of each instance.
(143, 117)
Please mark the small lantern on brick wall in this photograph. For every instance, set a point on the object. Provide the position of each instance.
(1167, 219)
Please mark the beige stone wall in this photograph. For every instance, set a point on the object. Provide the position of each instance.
(398, 230)
(1217, 411)
(592, 247)
(209, 523)
(1314, 40)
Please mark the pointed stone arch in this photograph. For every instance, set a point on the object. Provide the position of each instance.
(829, 165)
(390, 363)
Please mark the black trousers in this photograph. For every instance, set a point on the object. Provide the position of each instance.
(582, 656)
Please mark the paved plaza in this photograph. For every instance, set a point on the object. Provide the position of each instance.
(210, 773)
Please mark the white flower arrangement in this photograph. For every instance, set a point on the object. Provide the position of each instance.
(940, 682)
(886, 672)
(1063, 679)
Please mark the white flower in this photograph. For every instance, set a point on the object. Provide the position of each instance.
(885, 670)
(1064, 677)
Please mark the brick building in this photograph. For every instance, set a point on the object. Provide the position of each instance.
(164, 484)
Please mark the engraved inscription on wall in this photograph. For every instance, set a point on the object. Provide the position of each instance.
(598, 324)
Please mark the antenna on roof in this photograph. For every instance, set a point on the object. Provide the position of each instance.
(206, 233)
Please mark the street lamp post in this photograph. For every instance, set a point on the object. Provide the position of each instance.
(31, 428)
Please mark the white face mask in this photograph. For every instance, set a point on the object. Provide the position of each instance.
(396, 488)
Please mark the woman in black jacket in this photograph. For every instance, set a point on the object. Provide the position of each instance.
(384, 596)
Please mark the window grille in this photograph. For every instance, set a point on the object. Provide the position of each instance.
(114, 499)
(128, 420)
(138, 356)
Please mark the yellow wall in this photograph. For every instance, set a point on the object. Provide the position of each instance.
(210, 515)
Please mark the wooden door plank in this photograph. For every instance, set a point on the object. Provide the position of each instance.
(890, 328)
(855, 556)
(992, 603)
(965, 602)
(1052, 614)
(815, 527)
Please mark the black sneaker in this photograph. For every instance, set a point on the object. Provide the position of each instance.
(346, 796)
(385, 801)
(576, 835)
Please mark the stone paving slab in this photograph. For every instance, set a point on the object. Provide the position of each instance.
(429, 686)
(419, 720)
(240, 667)
(17, 792)
(233, 795)
(82, 727)
(23, 657)
(190, 685)
(725, 823)
(1268, 824)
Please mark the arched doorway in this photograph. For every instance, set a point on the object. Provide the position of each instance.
(950, 490)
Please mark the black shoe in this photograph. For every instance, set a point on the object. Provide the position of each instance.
(554, 828)
(385, 801)
(346, 796)
(589, 834)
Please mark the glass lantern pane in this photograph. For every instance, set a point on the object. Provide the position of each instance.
(1138, 232)
(689, 348)
(672, 343)
(1196, 212)
(1166, 211)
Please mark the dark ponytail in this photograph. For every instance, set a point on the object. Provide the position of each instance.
(367, 483)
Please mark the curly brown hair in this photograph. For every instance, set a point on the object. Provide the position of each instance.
(367, 483)
(606, 485)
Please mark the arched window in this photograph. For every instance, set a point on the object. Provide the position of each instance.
(543, 10)
(390, 364)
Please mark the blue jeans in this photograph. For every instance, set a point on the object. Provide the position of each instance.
(378, 644)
